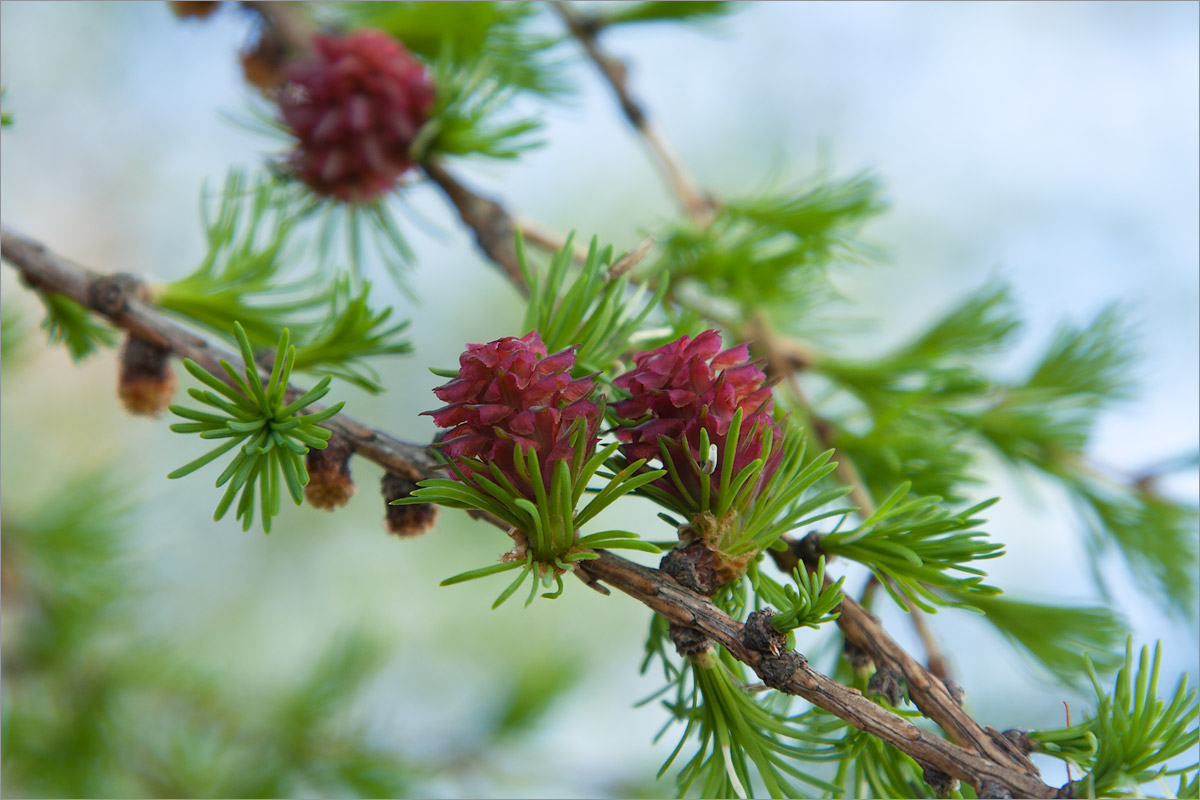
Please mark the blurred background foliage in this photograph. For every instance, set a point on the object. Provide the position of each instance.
(149, 651)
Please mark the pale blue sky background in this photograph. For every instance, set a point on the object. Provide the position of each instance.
(1052, 144)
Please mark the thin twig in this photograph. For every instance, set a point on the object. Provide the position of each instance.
(112, 297)
(494, 228)
(630, 259)
(695, 204)
(777, 366)
(685, 607)
(533, 233)
(109, 296)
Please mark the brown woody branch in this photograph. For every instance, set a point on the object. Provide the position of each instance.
(1001, 767)
(493, 226)
(116, 298)
(789, 672)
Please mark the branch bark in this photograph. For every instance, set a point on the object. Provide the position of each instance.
(789, 672)
(116, 298)
(493, 226)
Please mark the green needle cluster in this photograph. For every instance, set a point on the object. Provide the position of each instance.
(551, 525)
(1135, 735)
(274, 437)
(599, 312)
(808, 604)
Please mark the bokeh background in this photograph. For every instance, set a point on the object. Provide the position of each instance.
(1054, 145)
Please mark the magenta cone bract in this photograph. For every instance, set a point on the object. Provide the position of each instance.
(510, 392)
(355, 107)
(690, 385)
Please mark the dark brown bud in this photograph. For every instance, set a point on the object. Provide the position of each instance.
(193, 9)
(888, 683)
(777, 671)
(110, 294)
(694, 566)
(943, 785)
(1020, 739)
(146, 383)
(329, 483)
(405, 521)
(777, 663)
(760, 635)
(264, 62)
(688, 641)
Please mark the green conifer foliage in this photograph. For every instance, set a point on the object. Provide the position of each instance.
(785, 495)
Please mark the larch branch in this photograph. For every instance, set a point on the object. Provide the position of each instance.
(792, 674)
(116, 298)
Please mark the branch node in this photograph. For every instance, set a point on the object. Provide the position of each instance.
(1020, 739)
(110, 295)
(990, 788)
(957, 694)
(761, 636)
(688, 641)
(777, 664)
(777, 671)
(941, 783)
(693, 567)
(1012, 749)
(809, 550)
(889, 683)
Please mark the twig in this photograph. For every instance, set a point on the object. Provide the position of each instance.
(630, 259)
(539, 236)
(685, 607)
(697, 206)
(111, 297)
(493, 226)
